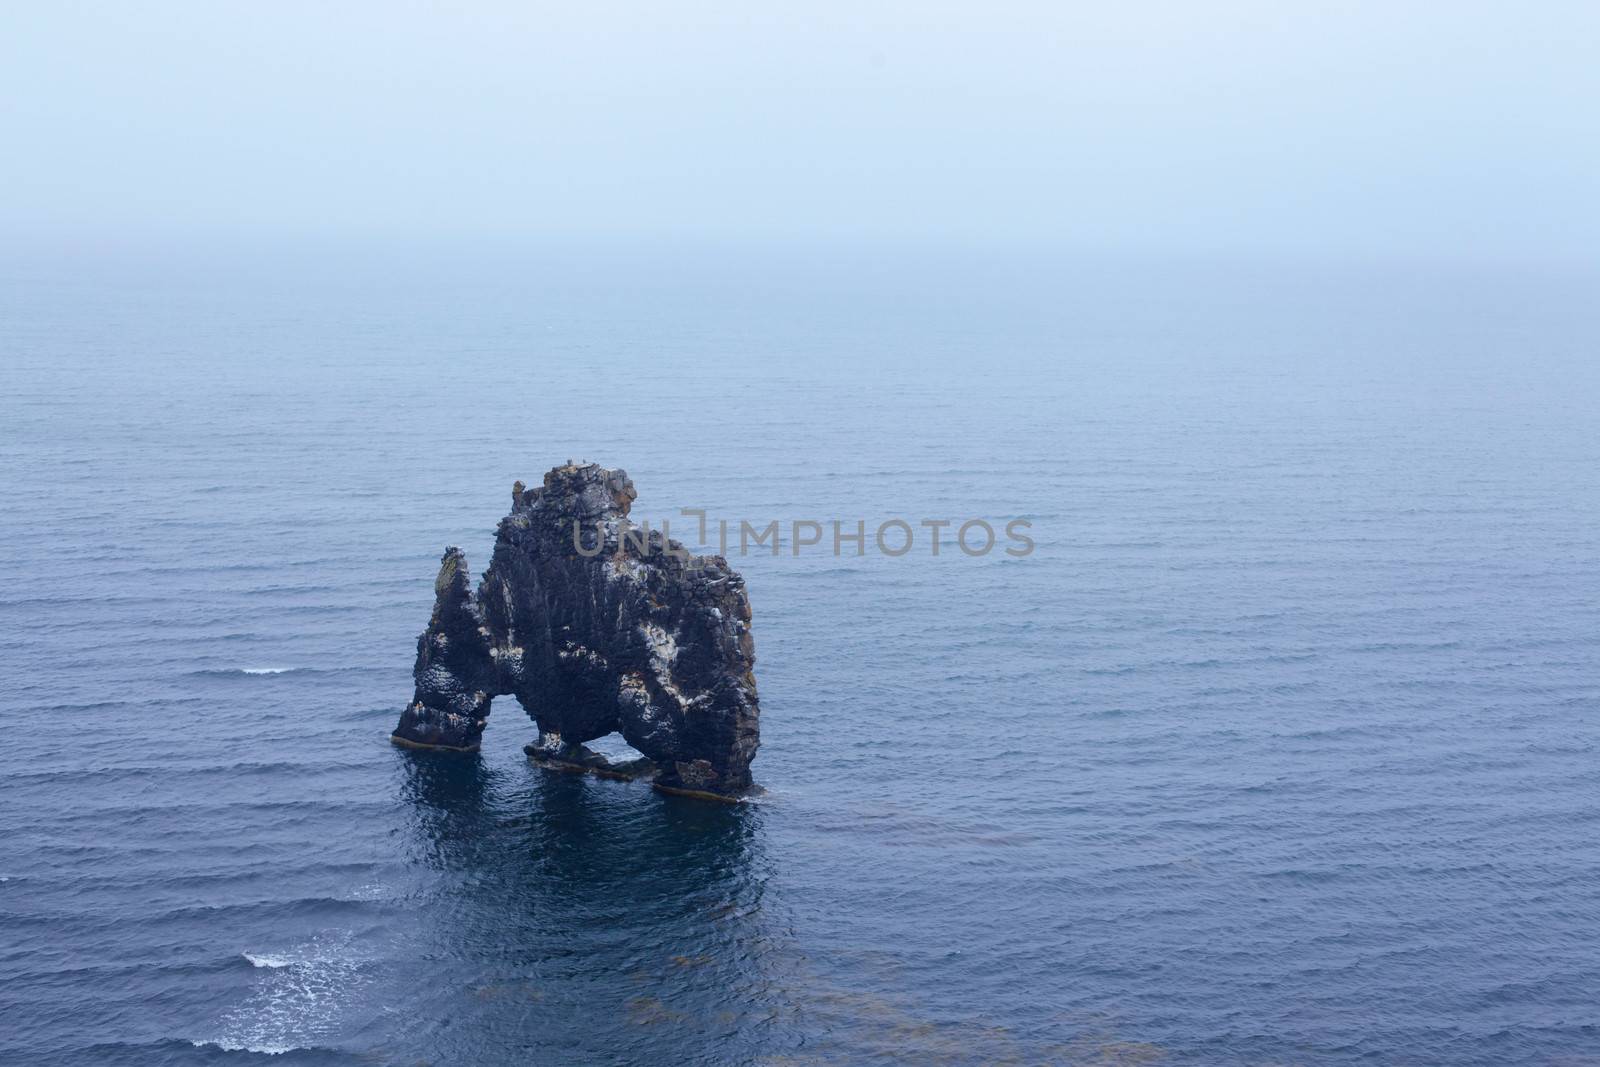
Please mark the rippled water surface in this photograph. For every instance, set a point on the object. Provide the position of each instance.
(1281, 748)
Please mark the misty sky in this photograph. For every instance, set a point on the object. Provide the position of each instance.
(1453, 129)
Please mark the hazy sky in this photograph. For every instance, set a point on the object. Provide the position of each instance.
(1407, 126)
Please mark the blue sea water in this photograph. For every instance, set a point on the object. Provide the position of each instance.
(1281, 748)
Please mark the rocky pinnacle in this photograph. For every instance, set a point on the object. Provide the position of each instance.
(606, 630)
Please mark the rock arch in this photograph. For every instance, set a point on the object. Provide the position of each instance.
(638, 638)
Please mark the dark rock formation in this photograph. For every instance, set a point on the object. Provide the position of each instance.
(609, 629)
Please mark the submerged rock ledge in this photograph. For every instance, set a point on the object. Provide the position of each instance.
(618, 631)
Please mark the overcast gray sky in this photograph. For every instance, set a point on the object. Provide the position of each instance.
(1418, 128)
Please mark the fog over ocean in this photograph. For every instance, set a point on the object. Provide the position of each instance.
(1281, 747)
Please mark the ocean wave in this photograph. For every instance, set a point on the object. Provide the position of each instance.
(371, 891)
(178, 1050)
(264, 960)
(298, 1000)
(229, 1045)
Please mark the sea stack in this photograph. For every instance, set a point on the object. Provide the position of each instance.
(595, 627)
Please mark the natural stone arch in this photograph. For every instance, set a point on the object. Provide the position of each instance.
(630, 635)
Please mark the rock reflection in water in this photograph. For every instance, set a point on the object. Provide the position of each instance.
(564, 906)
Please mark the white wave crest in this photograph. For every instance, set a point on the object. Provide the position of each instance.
(298, 998)
(267, 961)
(265, 1050)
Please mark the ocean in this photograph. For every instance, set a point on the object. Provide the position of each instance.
(1280, 747)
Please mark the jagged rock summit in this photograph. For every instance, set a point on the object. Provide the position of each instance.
(595, 627)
